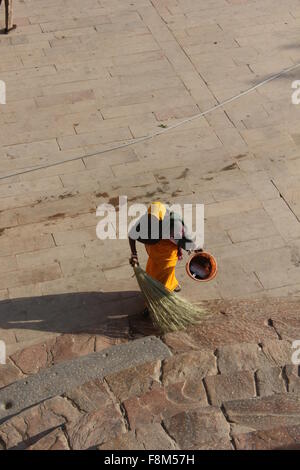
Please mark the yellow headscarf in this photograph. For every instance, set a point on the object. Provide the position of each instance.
(157, 209)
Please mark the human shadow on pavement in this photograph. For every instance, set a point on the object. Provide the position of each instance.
(111, 314)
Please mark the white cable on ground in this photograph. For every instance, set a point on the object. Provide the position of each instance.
(160, 132)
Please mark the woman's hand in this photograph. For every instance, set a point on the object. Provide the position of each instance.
(133, 260)
(197, 250)
(179, 254)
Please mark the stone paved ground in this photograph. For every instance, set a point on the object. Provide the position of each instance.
(84, 76)
(228, 384)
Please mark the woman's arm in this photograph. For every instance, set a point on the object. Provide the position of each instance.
(132, 244)
(134, 257)
(183, 239)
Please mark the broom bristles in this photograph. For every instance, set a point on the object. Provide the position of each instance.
(168, 311)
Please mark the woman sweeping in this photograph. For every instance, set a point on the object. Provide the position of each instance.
(164, 235)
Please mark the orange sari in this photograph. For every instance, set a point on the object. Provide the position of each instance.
(161, 263)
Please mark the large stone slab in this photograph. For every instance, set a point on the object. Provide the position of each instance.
(161, 403)
(55, 440)
(9, 373)
(270, 380)
(189, 366)
(242, 356)
(94, 428)
(67, 375)
(134, 381)
(264, 413)
(281, 438)
(22, 428)
(192, 428)
(221, 388)
(151, 437)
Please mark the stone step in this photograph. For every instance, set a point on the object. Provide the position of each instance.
(143, 400)
(140, 393)
(96, 404)
(227, 360)
(63, 347)
(263, 413)
(243, 334)
(93, 415)
(191, 427)
(281, 438)
(65, 376)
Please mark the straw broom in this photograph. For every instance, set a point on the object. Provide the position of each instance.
(168, 310)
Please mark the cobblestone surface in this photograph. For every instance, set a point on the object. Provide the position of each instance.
(186, 401)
